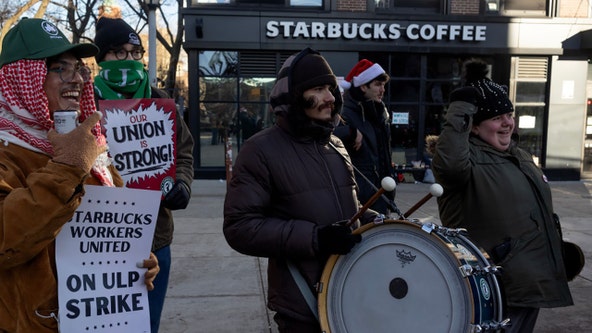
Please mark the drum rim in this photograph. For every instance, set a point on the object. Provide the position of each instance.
(323, 294)
(327, 271)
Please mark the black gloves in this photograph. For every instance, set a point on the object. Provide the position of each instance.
(336, 239)
(178, 197)
(465, 94)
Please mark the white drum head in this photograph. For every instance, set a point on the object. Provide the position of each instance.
(398, 279)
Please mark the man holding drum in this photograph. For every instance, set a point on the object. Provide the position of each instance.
(292, 190)
(494, 189)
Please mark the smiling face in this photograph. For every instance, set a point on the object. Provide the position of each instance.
(63, 95)
(496, 131)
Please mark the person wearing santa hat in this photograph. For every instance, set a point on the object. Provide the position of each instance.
(365, 129)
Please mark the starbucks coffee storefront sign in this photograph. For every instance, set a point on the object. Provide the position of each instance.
(375, 31)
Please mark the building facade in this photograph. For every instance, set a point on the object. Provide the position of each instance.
(540, 49)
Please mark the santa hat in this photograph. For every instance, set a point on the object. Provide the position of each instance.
(363, 72)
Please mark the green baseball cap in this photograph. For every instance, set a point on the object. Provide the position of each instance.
(34, 38)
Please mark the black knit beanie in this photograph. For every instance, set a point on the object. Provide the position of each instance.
(112, 33)
(493, 98)
(300, 72)
(312, 70)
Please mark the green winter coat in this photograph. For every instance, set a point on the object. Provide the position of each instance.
(504, 201)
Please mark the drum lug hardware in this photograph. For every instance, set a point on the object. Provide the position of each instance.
(492, 269)
(428, 227)
(462, 231)
(379, 219)
(319, 287)
(491, 326)
(466, 270)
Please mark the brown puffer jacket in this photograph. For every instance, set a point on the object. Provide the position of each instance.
(37, 197)
(282, 189)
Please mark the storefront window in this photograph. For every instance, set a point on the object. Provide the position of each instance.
(408, 6)
(295, 3)
(587, 167)
(218, 103)
(405, 65)
(232, 106)
(530, 92)
(218, 63)
(529, 82)
(524, 7)
(306, 3)
(529, 122)
(403, 90)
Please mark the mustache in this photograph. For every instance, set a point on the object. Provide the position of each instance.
(327, 105)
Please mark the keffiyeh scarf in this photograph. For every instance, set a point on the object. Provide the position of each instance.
(24, 112)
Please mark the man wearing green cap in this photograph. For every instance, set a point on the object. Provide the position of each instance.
(42, 173)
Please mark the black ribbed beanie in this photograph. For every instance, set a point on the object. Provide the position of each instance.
(112, 33)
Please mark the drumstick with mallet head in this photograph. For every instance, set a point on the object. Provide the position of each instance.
(387, 184)
(436, 190)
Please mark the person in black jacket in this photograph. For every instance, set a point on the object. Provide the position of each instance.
(365, 129)
(293, 189)
(122, 76)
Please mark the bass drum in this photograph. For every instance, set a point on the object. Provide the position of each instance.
(409, 277)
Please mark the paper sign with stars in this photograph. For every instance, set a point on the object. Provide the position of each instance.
(100, 287)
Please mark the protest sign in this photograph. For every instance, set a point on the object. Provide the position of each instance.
(141, 134)
(100, 287)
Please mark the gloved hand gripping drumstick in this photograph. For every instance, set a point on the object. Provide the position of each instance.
(436, 190)
(387, 184)
(338, 238)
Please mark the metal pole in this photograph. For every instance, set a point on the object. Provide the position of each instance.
(152, 44)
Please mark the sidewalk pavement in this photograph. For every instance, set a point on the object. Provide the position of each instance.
(216, 289)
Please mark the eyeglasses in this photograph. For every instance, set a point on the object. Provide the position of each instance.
(121, 54)
(68, 73)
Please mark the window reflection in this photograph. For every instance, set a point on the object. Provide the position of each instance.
(311, 3)
(295, 3)
(232, 108)
(531, 131)
(218, 63)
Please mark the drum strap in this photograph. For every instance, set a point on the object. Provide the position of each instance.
(389, 202)
(304, 289)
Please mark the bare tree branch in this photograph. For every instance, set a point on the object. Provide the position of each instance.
(10, 21)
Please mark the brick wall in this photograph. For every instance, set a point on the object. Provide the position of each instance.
(464, 7)
(351, 5)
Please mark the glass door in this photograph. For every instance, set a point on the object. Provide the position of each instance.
(587, 165)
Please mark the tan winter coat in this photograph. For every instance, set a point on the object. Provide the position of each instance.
(37, 197)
